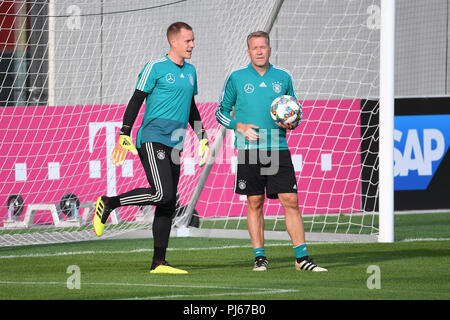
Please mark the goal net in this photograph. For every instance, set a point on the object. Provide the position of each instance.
(332, 51)
(68, 69)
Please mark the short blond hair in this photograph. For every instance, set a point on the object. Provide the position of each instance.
(258, 34)
(175, 28)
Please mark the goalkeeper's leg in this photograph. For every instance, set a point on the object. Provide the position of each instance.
(162, 191)
(162, 168)
(162, 223)
(103, 207)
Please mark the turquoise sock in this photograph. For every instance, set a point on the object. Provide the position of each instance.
(259, 252)
(300, 251)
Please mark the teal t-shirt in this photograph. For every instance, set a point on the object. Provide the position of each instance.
(168, 104)
(251, 95)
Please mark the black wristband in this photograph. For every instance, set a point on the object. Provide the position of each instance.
(126, 130)
(202, 135)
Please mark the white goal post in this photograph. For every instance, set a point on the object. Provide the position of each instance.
(387, 96)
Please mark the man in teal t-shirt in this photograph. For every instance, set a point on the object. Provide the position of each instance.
(264, 160)
(170, 89)
(251, 94)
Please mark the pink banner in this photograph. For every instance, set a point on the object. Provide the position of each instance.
(325, 149)
(47, 152)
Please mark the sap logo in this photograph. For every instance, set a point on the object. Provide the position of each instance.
(416, 155)
(420, 144)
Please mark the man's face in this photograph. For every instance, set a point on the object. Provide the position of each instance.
(259, 51)
(183, 43)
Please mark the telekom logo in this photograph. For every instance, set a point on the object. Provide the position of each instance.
(110, 141)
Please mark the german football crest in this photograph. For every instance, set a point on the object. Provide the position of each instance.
(160, 154)
(242, 184)
(276, 86)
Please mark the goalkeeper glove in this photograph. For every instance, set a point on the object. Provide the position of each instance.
(203, 152)
(123, 145)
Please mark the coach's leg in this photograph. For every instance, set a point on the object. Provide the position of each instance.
(255, 220)
(294, 221)
(296, 230)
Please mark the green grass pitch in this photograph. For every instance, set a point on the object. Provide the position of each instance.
(221, 269)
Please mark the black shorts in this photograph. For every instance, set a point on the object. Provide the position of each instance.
(265, 172)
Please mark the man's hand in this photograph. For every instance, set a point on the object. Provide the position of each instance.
(123, 145)
(288, 126)
(203, 151)
(247, 130)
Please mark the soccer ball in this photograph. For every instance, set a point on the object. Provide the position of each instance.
(286, 109)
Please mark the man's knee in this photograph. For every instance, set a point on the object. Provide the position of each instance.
(289, 200)
(255, 203)
(168, 199)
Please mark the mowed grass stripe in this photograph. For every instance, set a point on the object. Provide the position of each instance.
(409, 270)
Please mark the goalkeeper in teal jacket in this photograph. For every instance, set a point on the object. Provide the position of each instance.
(168, 86)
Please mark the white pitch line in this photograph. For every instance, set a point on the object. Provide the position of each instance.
(424, 239)
(89, 252)
(132, 285)
(213, 294)
(251, 291)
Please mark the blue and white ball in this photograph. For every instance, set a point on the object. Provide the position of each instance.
(286, 109)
